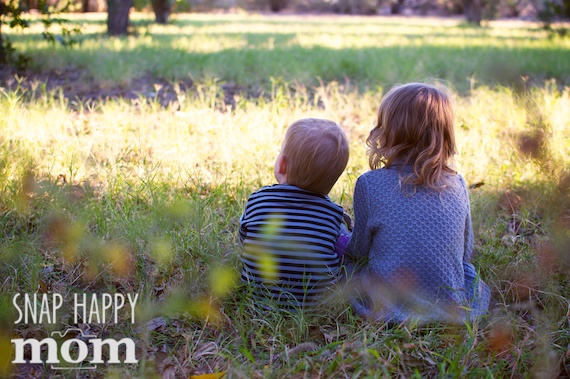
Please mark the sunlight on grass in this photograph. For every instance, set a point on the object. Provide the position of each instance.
(251, 49)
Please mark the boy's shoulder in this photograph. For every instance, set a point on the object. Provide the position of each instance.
(278, 188)
(292, 193)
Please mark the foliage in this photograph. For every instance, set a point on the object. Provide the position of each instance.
(69, 34)
(11, 14)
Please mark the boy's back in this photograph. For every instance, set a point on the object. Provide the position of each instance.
(288, 236)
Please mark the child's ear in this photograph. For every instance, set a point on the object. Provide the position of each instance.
(282, 165)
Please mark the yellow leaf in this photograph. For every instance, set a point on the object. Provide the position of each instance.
(222, 280)
(5, 356)
(218, 375)
(161, 250)
(207, 309)
(269, 266)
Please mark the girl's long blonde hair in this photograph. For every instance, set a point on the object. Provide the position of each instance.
(415, 126)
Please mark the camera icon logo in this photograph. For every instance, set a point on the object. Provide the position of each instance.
(67, 331)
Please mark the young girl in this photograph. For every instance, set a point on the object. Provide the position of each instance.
(412, 239)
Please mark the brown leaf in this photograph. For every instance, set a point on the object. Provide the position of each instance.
(169, 373)
(156, 323)
(43, 287)
(500, 338)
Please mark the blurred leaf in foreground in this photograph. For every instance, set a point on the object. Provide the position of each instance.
(223, 280)
(161, 251)
(5, 355)
(207, 309)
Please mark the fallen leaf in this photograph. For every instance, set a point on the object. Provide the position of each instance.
(500, 338)
(156, 323)
(218, 375)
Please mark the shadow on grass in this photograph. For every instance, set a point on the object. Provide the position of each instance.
(261, 56)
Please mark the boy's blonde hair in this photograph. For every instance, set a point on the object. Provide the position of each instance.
(415, 126)
(316, 152)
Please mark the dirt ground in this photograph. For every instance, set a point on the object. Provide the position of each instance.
(75, 84)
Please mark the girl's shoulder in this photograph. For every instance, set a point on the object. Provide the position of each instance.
(383, 175)
(379, 173)
(459, 182)
(392, 177)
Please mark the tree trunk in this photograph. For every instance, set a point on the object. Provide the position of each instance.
(2, 52)
(85, 6)
(473, 11)
(118, 16)
(162, 10)
(30, 4)
(396, 7)
(277, 5)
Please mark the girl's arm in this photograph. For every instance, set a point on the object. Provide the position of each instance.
(478, 292)
(469, 239)
(469, 271)
(361, 239)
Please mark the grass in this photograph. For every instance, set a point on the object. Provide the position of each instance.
(141, 195)
(367, 50)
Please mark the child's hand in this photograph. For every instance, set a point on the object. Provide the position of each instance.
(342, 241)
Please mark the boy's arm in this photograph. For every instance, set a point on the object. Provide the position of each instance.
(361, 239)
(242, 230)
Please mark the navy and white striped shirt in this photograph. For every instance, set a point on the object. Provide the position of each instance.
(287, 236)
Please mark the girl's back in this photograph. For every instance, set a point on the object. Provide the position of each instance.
(412, 216)
(416, 238)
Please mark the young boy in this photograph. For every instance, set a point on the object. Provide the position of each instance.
(288, 230)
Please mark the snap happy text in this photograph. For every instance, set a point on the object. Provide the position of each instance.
(87, 308)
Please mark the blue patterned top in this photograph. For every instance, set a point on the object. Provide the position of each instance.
(414, 246)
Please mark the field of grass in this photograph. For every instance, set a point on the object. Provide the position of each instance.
(249, 50)
(143, 194)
